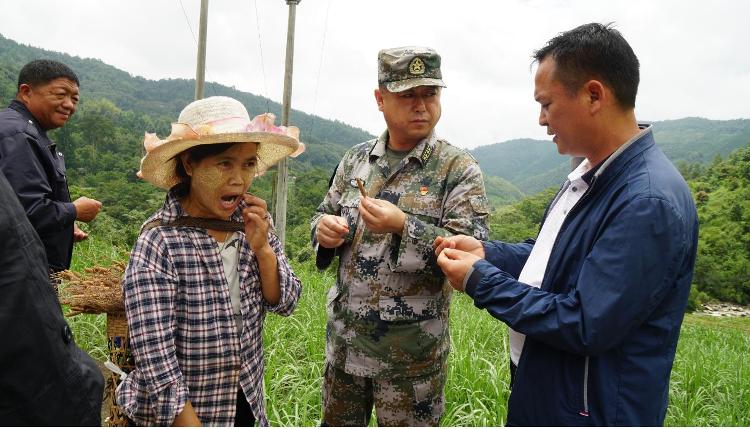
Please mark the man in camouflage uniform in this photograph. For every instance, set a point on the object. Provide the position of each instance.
(387, 331)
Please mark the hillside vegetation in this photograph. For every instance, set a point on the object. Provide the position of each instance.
(103, 145)
(533, 165)
(722, 196)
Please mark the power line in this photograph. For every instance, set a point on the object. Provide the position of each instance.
(187, 20)
(260, 49)
(320, 67)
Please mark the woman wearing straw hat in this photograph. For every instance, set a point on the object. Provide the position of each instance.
(204, 271)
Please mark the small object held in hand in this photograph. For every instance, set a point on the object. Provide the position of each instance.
(361, 187)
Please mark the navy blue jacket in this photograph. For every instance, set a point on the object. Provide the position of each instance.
(35, 170)
(602, 330)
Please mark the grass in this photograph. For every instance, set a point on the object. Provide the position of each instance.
(710, 383)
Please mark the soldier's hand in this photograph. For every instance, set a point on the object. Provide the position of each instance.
(460, 242)
(381, 216)
(331, 231)
(455, 264)
(86, 209)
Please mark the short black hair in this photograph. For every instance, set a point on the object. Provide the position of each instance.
(595, 51)
(40, 72)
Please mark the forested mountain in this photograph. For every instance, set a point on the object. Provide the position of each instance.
(133, 105)
(532, 165)
(103, 142)
(103, 145)
(722, 195)
(162, 100)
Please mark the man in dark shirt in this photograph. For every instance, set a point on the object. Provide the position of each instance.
(47, 97)
(46, 380)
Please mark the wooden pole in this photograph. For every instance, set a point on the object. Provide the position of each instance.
(200, 72)
(282, 172)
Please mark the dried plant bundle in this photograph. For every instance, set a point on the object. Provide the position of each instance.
(96, 290)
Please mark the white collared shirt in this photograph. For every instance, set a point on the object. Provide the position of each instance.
(533, 271)
(536, 265)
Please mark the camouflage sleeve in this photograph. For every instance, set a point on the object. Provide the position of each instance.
(465, 210)
(330, 205)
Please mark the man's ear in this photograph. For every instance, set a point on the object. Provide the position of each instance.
(185, 160)
(24, 93)
(379, 99)
(596, 94)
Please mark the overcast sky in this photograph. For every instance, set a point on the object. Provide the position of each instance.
(694, 54)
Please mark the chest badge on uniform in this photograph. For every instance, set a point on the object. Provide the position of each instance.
(416, 66)
(423, 190)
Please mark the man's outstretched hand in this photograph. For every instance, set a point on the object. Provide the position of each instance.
(455, 264)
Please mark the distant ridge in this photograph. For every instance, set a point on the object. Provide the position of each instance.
(533, 165)
(513, 168)
(164, 98)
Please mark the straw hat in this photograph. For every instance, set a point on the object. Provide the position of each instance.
(216, 120)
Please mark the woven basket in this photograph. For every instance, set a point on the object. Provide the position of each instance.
(119, 353)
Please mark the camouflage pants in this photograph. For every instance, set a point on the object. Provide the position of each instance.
(408, 401)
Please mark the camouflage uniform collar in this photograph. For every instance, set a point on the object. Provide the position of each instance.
(421, 152)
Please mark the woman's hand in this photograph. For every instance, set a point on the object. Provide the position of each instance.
(257, 221)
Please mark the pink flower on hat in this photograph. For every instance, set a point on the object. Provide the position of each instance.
(217, 120)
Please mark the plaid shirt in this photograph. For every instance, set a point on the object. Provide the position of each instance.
(182, 329)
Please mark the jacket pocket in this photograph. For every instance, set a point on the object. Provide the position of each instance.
(479, 204)
(585, 411)
(427, 208)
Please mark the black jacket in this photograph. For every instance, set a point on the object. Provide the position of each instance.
(45, 379)
(35, 170)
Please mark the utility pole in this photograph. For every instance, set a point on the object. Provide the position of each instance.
(200, 72)
(282, 171)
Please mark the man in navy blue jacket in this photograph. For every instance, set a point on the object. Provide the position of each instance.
(595, 303)
(47, 97)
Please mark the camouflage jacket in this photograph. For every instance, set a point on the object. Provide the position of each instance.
(388, 310)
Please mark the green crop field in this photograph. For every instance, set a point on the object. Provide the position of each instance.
(710, 384)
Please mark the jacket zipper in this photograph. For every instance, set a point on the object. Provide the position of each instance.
(585, 411)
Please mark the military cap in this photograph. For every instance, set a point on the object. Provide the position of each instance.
(403, 68)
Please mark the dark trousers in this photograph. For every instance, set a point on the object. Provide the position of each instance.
(513, 369)
(244, 416)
